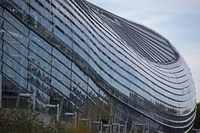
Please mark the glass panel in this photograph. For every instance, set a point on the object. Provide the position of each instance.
(14, 65)
(40, 52)
(39, 73)
(40, 42)
(62, 26)
(79, 72)
(61, 58)
(60, 67)
(22, 5)
(15, 44)
(14, 76)
(38, 83)
(62, 36)
(39, 62)
(60, 87)
(40, 95)
(79, 82)
(15, 55)
(58, 75)
(41, 10)
(15, 23)
(16, 34)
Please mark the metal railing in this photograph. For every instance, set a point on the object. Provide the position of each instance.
(57, 106)
(26, 95)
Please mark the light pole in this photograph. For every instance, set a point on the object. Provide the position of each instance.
(0, 90)
(118, 126)
(125, 128)
(101, 125)
(109, 126)
(75, 117)
(144, 126)
(26, 95)
(57, 110)
(88, 120)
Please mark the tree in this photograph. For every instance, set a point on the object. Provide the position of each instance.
(25, 121)
(20, 122)
(197, 119)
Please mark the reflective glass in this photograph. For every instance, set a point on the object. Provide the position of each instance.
(18, 25)
(63, 69)
(79, 72)
(60, 87)
(41, 10)
(61, 58)
(14, 76)
(62, 36)
(38, 83)
(39, 94)
(62, 26)
(39, 62)
(15, 55)
(40, 52)
(39, 73)
(40, 42)
(79, 81)
(16, 34)
(22, 5)
(58, 75)
(15, 44)
(14, 65)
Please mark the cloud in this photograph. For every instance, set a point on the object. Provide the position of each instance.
(170, 6)
(156, 19)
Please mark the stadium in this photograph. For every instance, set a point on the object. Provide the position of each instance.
(71, 52)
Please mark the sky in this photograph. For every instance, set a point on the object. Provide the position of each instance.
(177, 20)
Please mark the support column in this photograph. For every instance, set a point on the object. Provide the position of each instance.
(1, 52)
(0, 90)
(132, 128)
(58, 112)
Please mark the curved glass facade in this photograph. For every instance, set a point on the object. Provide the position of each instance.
(73, 50)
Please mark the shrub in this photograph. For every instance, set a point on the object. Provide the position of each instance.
(23, 121)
